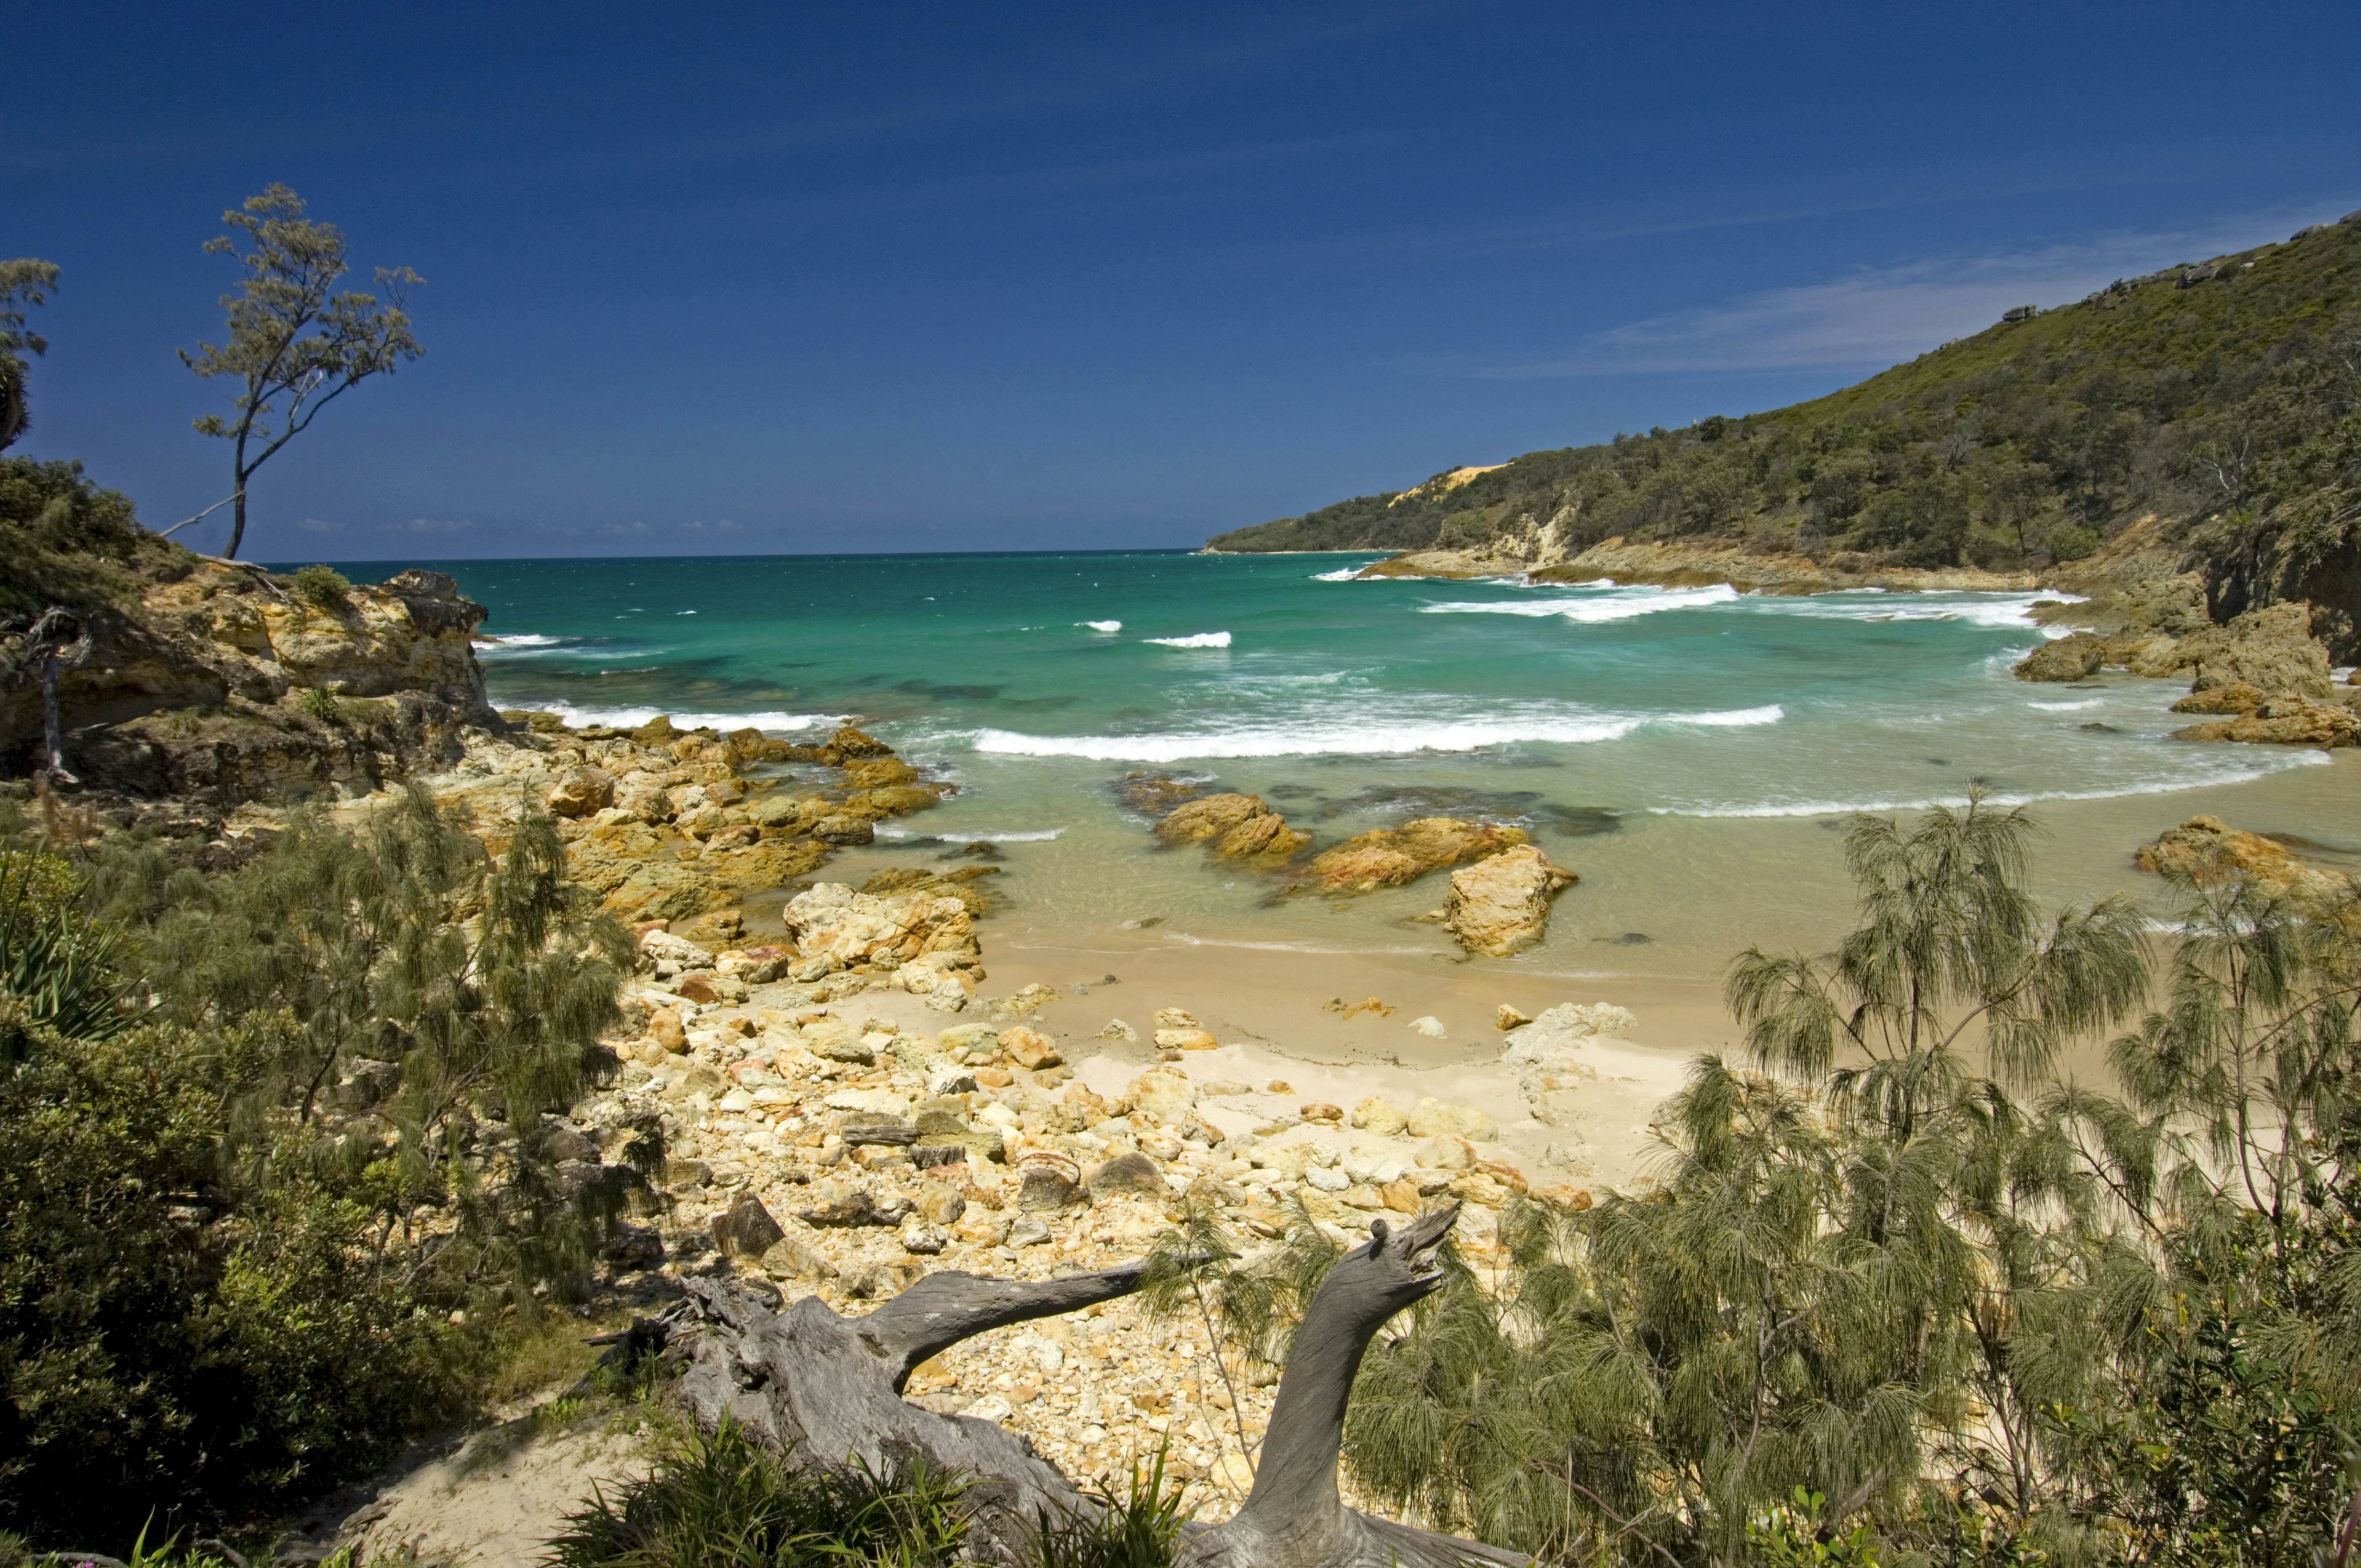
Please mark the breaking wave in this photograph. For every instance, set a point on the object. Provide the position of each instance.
(1202, 640)
(2244, 775)
(1597, 607)
(1375, 738)
(631, 717)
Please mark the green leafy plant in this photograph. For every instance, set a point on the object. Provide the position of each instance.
(56, 970)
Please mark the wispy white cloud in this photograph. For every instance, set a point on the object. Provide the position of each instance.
(1878, 316)
(320, 525)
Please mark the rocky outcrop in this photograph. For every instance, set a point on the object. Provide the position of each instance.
(2264, 674)
(1702, 565)
(2271, 650)
(223, 684)
(1546, 1056)
(2205, 849)
(1501, 906)
(2286, 720)
(926, 945)
(1234, 828)
(2076, 657)
(1391, 857)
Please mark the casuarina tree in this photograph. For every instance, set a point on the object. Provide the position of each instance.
(24, 282)
(295, 345)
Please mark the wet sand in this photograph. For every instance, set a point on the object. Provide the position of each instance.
(1262, 981)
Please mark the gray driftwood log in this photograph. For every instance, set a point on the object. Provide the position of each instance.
(829, 1389)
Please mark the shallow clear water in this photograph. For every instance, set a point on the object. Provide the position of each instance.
(1620, 723)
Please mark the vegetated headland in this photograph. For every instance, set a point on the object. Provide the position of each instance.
(364, 1048)
(2201, 419)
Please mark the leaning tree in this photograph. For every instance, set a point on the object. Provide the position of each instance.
(295, 345)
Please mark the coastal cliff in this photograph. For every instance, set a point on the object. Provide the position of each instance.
(182, 675)
(2205, 418)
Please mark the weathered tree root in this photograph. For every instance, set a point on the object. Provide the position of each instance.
(1295, 1517)
(809, 1382)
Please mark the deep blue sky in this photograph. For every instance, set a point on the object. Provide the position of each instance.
(825, 277)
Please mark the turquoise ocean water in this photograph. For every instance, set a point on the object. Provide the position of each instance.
(1620, 723)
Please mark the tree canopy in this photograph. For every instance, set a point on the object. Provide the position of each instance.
(295, 345)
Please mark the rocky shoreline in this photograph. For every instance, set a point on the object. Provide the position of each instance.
(1540, 556)
(2266, 676)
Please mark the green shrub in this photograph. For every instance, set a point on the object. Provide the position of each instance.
(724, 1501)
(68, 542)
(220, 1294)
(324, 585)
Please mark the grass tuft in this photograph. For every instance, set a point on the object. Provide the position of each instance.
(1137, 1529)
(724, 1501)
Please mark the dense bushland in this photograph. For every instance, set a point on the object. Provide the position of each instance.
(274, 1182)
(2224, 398)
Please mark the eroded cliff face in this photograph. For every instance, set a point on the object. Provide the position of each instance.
(223, 684)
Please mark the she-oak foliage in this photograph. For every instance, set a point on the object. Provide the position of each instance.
(294, 344)
(225, 1279)
(1910, 1293)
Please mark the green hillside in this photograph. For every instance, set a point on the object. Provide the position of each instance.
(2222, 397)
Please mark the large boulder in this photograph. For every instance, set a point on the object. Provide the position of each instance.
(1163, 1095)
(2286, 720)
(1392, 856)
(2206, 849)
(2271, 649)
(1546, 1058)
(1234, 826)
(849, 741)
(580, 792)
(1500, 904)
(2237, 699)
(1432, 1118)
(836, 929)
(2074, 658)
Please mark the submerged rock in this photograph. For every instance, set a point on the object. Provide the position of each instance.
(1234, 826)
(1390, 857)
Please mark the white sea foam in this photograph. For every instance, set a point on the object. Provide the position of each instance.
(519, 639)
(1734, 718)
(2008, 611)
(1202, 640)
(2069, 707)
(631, 717)
(1596, 608)
(1028, 836)
(1375, 739)
(1372, 738)
(1103, 625)
(2155, 786)
(1184, 939)
(1341, 574)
